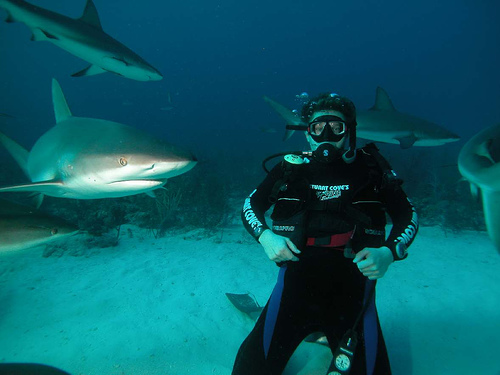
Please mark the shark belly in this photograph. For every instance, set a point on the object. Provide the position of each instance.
(94, 189)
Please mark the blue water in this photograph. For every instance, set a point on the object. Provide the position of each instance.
(438, 60)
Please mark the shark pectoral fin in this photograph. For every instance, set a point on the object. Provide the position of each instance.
(91, 16)
(116, 60)
(90, 70)
(40, 35)
(151, 194)
(38, 187)
(407, 142)
(37, 199)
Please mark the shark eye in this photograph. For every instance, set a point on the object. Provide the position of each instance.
(54, 231)
(123, 162)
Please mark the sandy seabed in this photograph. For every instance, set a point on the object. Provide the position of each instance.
(157, 306)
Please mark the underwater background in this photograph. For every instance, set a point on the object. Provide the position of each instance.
(438, 60)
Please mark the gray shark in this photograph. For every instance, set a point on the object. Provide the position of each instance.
(82, 37)
(86, 158)
(22, 227)
(383, 123)
(479, 163)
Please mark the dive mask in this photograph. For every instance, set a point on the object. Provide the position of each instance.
(327, 128)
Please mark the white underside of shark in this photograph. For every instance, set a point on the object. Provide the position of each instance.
(84, 38)
(479, 163)
(86, 158)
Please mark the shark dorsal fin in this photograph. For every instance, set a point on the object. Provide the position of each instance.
(61, 109)
(91, 16)
(382, 101)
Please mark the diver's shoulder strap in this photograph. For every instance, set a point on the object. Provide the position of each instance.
(290, 166)
(377, 160)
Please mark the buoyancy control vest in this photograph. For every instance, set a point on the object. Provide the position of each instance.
(330, 222)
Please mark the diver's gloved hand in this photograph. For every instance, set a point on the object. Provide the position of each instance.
(278, 248)
(373, 262)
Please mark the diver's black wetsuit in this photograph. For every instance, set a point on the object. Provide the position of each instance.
(324, 291)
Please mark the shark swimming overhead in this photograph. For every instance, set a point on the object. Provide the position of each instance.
(86, 158)
(479, 163)
(83, 37)
(23, 227)
(383, 123)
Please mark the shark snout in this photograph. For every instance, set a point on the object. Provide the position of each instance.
(154, 74)
(170, 167)
(155, 77)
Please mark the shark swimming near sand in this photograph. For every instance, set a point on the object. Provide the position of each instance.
(479, 163)
(83, 37)
(87, 158)
(382, 123)
(23, 227)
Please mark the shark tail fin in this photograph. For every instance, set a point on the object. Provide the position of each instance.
(382, 101)
(91, 16)
(61, 109)
(18, 152)
(288, 115)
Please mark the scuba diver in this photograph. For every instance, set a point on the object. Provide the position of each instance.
(328, 239)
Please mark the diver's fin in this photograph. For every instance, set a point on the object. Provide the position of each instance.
(246, 304)
(317, 338)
